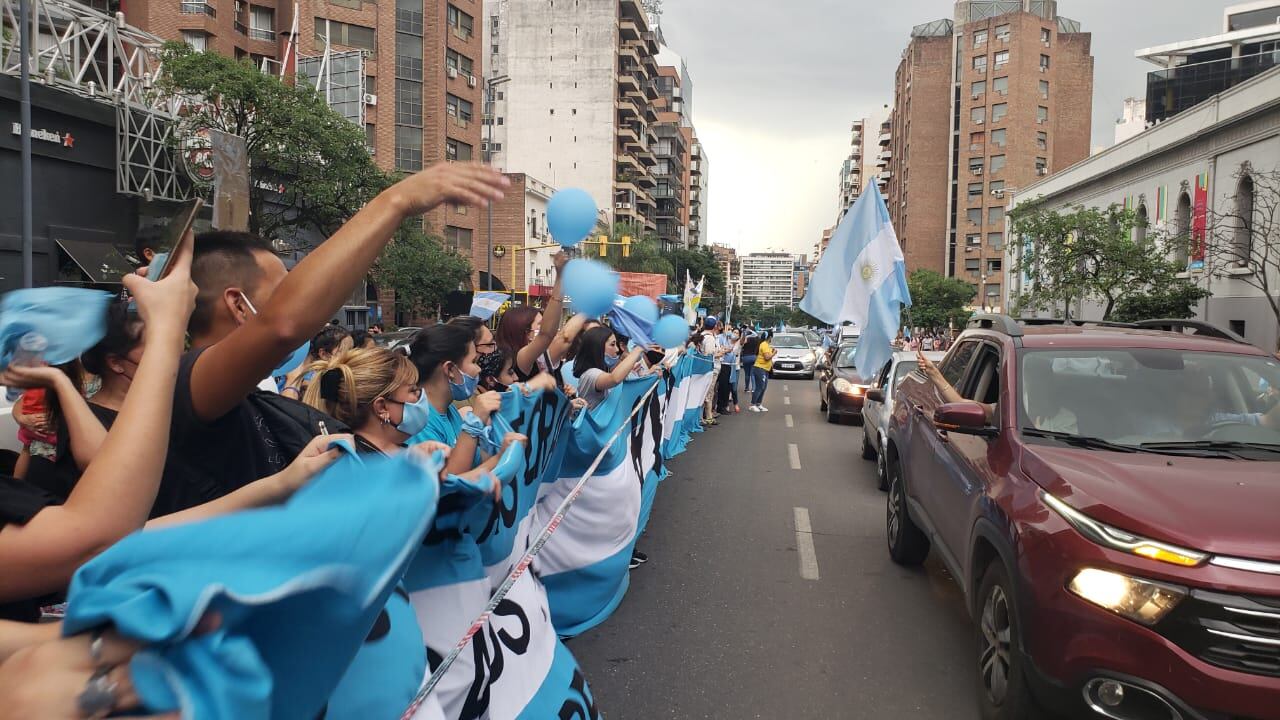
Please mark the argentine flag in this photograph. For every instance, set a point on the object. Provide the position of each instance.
(485, 304)
(862, 277)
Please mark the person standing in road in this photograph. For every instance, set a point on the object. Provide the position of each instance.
(750, 348)
(710, 346)
(760, 372)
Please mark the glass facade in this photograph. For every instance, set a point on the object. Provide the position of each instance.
(1171, 91)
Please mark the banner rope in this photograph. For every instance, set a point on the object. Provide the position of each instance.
(525, 561)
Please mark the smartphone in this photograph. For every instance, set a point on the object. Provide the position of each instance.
(175, 238)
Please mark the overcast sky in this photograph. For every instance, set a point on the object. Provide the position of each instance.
(776, 84)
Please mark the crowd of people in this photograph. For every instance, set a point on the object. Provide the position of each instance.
(740, 354)
(223, 387)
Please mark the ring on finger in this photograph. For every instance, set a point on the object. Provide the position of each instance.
(98, 698)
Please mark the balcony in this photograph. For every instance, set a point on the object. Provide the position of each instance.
(1171, 91)
(262, 34)
(628, 30)
(240, 28)
(627, 135)
(883, 139)
(198, 8)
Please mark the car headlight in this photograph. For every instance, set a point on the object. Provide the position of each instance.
(1117, 539)
(845, 387)
(1139, 600)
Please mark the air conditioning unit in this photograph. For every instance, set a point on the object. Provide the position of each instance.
(1044, 69)
(453, 72)
(622, 206)
(998, 193)
(471, 81)
(976, 171)
(979, 122)
(370, 99)
(975, 96)
(1042, 171)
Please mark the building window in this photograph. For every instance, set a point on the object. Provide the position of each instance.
(458, 109)
(371, 137)
(1044, 63)
(998, 137)
(1002, 33)
(459, 22)
(997, 187)
(993, 292)
(262, 23)
(995, 215)
(199, 41)
(346, 34)
(995, 240)
(1182, 230)
(999, 111)
(457, 62)
(454, 150)
(1000, 85)
(978, 115)
(1042, 114)
(997, 163)
(972, 265)
(980, 64)
(978, 89)
(994, 265)
(1042, 166)
(974, 216)
(1044, 36)
(975, 190)
(1044, 89)
(408, 103)
(973, 240)
(458, 238)
(976, 165)
(1140, 225)
(1242, 237)
(409, 57)
(979, 38)
(1002, 59)
(1042, 140)
(1237, 327)
(977, 141)
(408, 148)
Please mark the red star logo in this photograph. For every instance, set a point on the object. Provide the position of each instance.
(68, 140)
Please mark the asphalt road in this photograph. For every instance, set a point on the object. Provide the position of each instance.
(720, 622)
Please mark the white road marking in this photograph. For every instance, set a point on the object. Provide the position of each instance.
(786, 399)
(790, 421)
(793, 451)
(804, 544)
(785, 387)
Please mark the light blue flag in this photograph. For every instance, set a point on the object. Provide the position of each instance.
(71, 320)
(862, 277)
(630, 324)
(485, 304)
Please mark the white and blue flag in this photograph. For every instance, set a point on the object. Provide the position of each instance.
(485, 304)
(862, 277)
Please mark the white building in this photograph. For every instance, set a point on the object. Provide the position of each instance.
(768, 278)
(1195, 164)
(1133, 121)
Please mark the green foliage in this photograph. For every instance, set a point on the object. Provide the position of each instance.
(1176, 300)
(420, 270)
(938, 301)
(800, 318)
(768, 316)
(645, 256)
(1088, 254)
(294, 139)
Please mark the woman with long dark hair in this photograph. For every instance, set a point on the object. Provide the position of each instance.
(601, 366)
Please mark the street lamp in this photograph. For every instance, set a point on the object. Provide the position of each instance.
(489, 85)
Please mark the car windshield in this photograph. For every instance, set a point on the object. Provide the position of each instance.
(904, 368)
(1153, 397)
(844, 356)
(790, 342)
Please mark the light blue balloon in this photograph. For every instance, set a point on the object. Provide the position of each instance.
(590, 286)
(571, 216)
(642, 307)
(671, 331)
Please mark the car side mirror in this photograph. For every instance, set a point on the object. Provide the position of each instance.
(965, 418)
(875, 395)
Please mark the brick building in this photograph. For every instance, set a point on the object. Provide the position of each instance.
(990, 101)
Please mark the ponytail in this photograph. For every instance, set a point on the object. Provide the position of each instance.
(348, 383)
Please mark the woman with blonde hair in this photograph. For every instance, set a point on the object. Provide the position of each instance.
(375, 392)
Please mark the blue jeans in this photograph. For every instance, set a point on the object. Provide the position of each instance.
(747, 363)
(760, 381)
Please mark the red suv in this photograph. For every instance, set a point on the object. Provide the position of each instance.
(1108, 497)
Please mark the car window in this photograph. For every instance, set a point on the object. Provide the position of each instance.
(954, 365)
(844, 356)
(984, 381)
(905, 368)
(884, 375)
(789, 341)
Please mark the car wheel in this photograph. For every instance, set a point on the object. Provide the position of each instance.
(822, 401)
(831, 416)
(868, 450)
(1003, 691)
(908, 545)
(882, 474)
(809, 376)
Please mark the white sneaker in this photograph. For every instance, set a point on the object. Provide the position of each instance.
(754, 408)
(764, 409)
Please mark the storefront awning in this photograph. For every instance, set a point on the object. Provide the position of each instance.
(102, 262)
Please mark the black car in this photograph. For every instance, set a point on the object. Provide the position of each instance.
(841, 389)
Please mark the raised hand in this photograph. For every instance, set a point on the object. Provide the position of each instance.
(460, 183)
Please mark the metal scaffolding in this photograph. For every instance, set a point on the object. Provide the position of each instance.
(95, 55)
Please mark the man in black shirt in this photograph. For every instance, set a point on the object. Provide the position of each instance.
(251, 314)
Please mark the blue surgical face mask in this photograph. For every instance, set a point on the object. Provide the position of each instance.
(295, 358)
(610, 361)
(415, 415)
(466, 388)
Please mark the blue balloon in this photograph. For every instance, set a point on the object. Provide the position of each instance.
(571, 216)
(642, 307)
(590, 286)
(671, 331)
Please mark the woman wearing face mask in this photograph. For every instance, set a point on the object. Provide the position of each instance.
(601, 366)
(376, 393)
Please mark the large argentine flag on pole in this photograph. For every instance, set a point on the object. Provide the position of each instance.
(862, 277)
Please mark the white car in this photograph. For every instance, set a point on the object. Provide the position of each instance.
(795, 356)
(878, 406)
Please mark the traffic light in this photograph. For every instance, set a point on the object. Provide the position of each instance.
(604, 245)
(626, 246)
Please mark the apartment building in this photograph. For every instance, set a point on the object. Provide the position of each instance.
(851, 178)
(727, 257)
(991, 100)
(672, 150)
(573, 99)
(768, 278)
(699, 170)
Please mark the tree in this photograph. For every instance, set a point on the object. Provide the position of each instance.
(295, 141)
(938, 301)
(768, 316)
(1177, 300)
(800, 318)
(644, 255)
(1243, 243)
(420, 270)
(1088, 254)
(698, 263)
